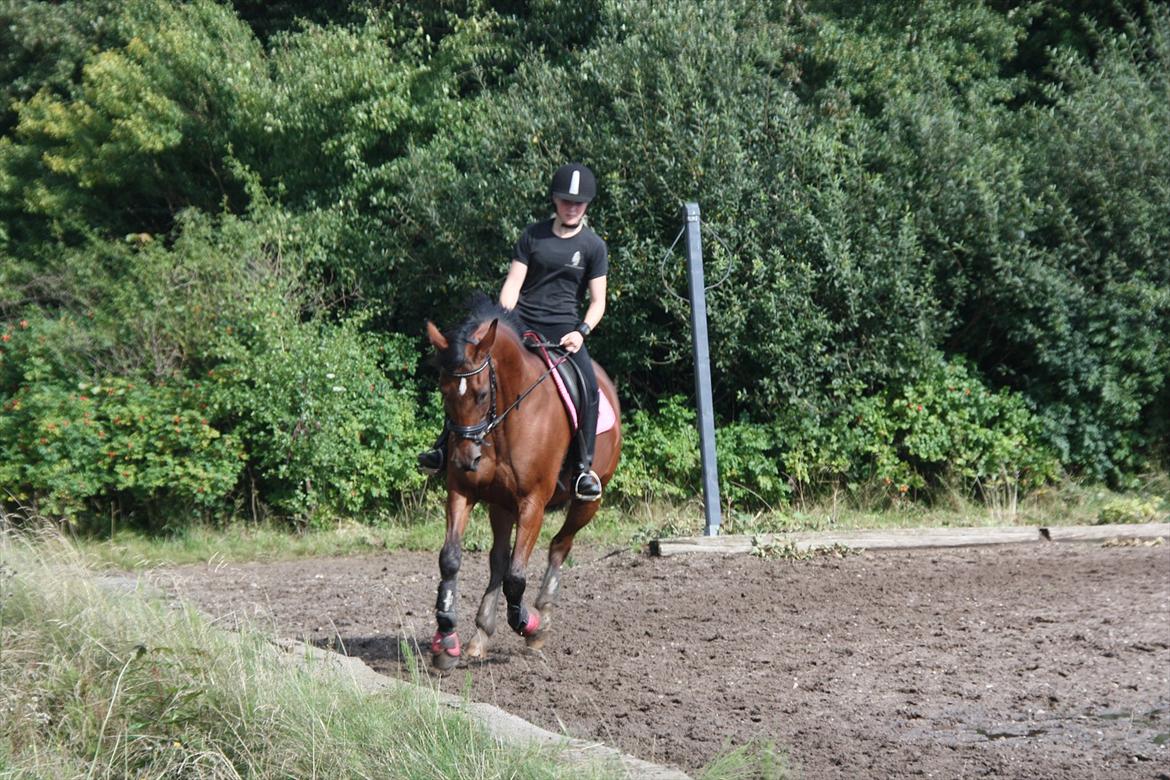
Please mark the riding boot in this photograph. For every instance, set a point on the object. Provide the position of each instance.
(587, 486)
(432, 461)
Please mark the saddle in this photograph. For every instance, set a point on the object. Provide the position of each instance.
(569, 382)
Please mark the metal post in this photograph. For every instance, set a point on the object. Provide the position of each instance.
(702, 368)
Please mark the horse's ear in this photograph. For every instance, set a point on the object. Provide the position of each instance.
(438, 341)
(484, 345)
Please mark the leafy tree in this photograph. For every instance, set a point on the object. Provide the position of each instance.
(257, 190)
(1089, 322)
(151, 128)
(43, 46)
(674, 103)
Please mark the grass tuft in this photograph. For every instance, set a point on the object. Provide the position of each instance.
(760, 760)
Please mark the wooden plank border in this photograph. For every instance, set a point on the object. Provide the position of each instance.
(907, 538)
(1100, 533)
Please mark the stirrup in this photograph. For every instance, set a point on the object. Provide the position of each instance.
(430, 462)
(594, 488)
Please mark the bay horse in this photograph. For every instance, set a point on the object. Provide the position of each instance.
(508, 434)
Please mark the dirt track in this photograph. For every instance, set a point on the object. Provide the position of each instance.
(1025, 661)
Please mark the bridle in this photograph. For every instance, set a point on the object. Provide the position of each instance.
(481, 430)
(477, 432)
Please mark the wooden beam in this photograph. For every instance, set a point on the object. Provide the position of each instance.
(1100, 533)
(904, 538)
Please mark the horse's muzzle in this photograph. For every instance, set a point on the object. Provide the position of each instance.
(468, 456)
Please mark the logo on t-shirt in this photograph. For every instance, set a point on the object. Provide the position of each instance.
(576, 260)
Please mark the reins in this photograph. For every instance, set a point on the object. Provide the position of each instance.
(481, 430)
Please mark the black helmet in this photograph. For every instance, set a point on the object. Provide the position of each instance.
(573, 182)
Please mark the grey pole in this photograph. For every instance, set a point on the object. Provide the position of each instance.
(702, 368)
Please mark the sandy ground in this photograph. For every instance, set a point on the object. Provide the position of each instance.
(1020, 661)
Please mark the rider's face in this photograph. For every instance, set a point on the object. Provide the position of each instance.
(569, 213)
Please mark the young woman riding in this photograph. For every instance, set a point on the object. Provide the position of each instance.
(555, 262)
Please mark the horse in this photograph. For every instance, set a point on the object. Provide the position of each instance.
(508, 434)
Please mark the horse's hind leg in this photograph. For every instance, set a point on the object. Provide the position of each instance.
(485, 619)
(577, 517)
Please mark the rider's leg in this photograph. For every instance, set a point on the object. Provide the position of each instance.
(587, 485)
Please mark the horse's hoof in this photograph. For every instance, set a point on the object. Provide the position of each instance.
(538, 623)
(531, 625)
(477, 647)
(536, 639)
(445, 651)
(444, 662)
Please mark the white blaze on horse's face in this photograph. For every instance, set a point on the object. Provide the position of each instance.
(463, 386)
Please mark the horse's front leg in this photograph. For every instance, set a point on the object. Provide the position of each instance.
(445, 650)
(485, 620)
(524, 622)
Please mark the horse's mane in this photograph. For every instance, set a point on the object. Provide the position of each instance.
(480, 309)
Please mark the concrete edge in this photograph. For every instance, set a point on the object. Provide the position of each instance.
(908, 538)
(502, 725)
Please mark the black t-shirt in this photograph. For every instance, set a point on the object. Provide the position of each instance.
(559, 271)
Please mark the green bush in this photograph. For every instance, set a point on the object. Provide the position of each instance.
(660, 453)
(86, 452)
(672, 102)
(1132, 510)
(750, 473)
(945, 430)
(875, 177)
(1048, 245)
(319, 418)
(660, 458)
(327, 413)
(315, 417)
(149, 128)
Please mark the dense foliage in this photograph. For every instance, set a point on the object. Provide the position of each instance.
(942, 227)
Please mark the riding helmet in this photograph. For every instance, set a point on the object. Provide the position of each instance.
(573, 182)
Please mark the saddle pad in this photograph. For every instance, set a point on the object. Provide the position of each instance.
(606, 417)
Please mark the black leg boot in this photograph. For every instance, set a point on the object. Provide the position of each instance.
(587, 486)
(432, 461)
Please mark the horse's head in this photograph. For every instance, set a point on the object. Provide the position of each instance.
(467, 381)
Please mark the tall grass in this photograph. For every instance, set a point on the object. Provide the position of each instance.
(98, 683)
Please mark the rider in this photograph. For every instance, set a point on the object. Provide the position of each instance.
(556, 260)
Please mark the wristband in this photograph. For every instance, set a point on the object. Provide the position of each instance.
(584, 328)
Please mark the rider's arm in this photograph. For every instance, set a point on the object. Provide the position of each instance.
(573, 340)
(510, 292)
(596, 308)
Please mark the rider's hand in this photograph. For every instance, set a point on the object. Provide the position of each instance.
(572, 341)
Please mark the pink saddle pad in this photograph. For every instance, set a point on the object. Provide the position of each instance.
(605, 413)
